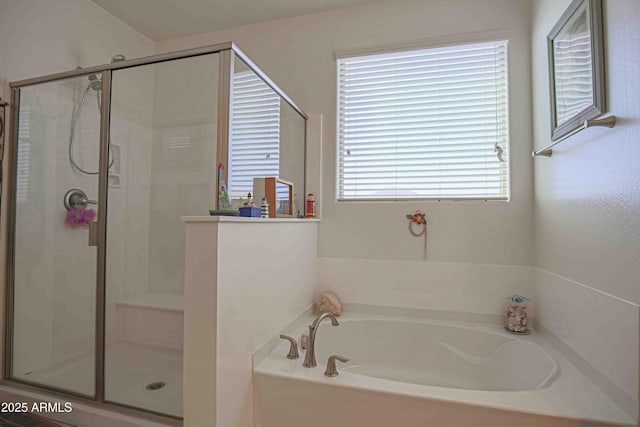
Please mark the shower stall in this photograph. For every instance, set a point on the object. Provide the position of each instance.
(102, 162)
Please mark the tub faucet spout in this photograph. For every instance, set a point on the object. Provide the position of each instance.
(310, 356)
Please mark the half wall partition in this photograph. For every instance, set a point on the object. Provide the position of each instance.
(102, 163)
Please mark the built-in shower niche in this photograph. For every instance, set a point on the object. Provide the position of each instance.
(114, 170)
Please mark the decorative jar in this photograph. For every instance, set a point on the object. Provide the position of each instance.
(516, 315)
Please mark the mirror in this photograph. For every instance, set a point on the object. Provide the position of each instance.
(266, 139)
(576, 67)
(278, 194)
(283, 198)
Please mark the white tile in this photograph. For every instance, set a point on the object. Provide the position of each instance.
(475, 288)
(601, 328)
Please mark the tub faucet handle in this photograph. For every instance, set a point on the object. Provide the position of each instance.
(293, 350)
(331, 370)
(304, 341)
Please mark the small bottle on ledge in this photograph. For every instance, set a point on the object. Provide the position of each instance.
(311, 206)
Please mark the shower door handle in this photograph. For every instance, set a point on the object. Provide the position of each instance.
(93, 233)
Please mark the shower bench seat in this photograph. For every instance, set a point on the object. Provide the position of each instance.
(156, 301)
(150, 318)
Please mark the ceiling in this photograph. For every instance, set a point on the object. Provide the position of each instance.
(166, 19)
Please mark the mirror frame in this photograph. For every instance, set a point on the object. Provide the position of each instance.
(271, 194)
(598, 106)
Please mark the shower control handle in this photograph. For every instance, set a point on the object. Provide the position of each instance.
(76, 198)
(85, 202)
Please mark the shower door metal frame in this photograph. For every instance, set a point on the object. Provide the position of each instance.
(227, 51)
(103, 191)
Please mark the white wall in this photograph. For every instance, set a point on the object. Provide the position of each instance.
(244, 282)
(587, 197)
(298, 54)
(39, 37)
(586, 209)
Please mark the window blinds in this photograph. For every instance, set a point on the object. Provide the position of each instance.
(424, 124)
(24, 161)
(255, 133)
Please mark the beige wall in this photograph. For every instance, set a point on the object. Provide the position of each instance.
(298, 54)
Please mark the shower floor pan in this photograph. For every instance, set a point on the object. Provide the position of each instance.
(133, 376)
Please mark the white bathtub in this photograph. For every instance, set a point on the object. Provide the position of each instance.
(442, 355)
(408, 371)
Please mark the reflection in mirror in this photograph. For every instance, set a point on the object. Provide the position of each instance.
(284, 193)
(255, 131)
(292, 153)
(266, 138)
(572, 67)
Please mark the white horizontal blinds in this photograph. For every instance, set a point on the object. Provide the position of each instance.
(255, 133)
(24, 161)
(424, 124)
(572, 64)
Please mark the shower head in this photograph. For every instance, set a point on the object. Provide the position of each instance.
(94, 82)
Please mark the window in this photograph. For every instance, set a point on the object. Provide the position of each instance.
(424, 124)
(255, 133)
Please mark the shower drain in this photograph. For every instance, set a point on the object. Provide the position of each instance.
(155, 386)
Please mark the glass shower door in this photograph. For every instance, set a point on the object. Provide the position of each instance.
(53, 334)
(164, 133)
